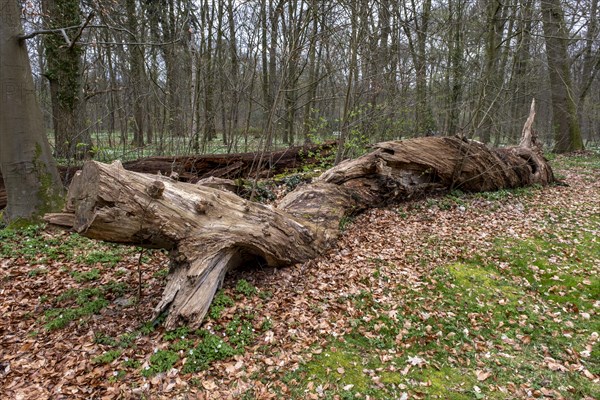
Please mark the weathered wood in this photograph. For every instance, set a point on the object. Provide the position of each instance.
(209, 231)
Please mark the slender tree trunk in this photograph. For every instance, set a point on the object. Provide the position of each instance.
(64, 74)
(521, 85)
(491, 81)
(456, 73)
(348, 100)
(312, 72)
(210, 129)
(30, 175)
(136, 71)
(416, 25)
(567, 133)
(235, 84)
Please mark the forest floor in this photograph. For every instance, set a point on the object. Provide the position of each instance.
(466, 296)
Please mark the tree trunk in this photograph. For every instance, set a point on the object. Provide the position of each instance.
(64, 74)
(209, 231)
(29, 172)
(567, 133)
(136, 72)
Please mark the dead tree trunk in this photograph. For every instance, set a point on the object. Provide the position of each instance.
(230, 166)
(209, 231)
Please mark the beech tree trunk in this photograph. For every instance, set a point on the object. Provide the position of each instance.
(28, 171)
(209, 231)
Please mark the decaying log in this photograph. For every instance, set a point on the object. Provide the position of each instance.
(209, 231)
(227, 166)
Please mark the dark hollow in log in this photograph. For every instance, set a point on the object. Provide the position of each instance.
(209, 231)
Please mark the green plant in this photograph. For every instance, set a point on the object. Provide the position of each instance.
(102, 338)
(131, 363)
(345, 222)
(179, 333)
(240, 333)
(160, 361)
(86, 276)
(220, 302)
(107, 357)
(245, 288)
(210, 348)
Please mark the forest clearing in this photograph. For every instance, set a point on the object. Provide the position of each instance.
(464, 296)
(296, 199)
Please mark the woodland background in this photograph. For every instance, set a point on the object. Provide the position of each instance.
(174, 76)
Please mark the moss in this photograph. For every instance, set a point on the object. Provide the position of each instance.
(328, 366)
(447, 383)
(477, 280)
(50, 198)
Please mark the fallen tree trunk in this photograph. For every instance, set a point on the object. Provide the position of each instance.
(209, 231)
(230, 166)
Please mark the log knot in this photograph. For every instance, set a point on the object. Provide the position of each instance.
(201, 206)
(155, 189)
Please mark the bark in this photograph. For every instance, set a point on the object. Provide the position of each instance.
(29, 172)
(64, 75)
(209, 231)
(567, 133)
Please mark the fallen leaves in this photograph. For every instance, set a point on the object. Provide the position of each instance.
(388, 254)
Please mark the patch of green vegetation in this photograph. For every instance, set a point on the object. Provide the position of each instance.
(506, 194)
(102, 338)
(109, 258)
(240, 333)
(107, 357)
(261, 191)
(589, 161)
(449, 383)
(244, 287)
(220, 302)
(37, 271)
(160, 361)
(161, 274)
(87, 301)
(131, 363)
(58, 318)
(210, 348)
(86, 276)
(179, 333)
(345, 222)
(341, 364)
(524, 305)
(36, 246)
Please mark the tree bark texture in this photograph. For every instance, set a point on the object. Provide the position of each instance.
(567, 133)
(209, 231)
(64, 70)
(28, 170)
